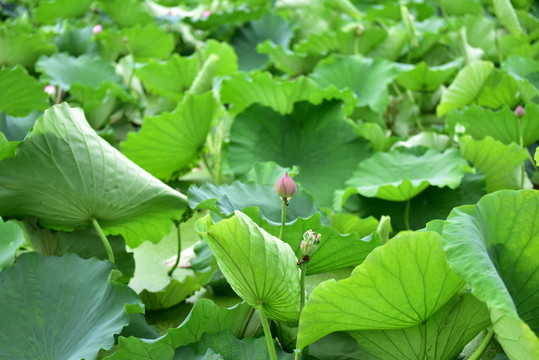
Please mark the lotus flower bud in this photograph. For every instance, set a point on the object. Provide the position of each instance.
(285, 187)
(97, 29)
(206, 14)
(50, 89)
(520, 112)
(310, 242)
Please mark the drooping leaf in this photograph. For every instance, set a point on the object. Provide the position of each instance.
(448, 331)
(502, 88)
(501, 125)
(21, 93)
(169, 143)
(261, 134)
(523, 68)
(342, 72)
(246, 38)
(466, 87)
(422, 77)
(261, 88)
(501, 164)
(258, 266)
(205, 318)
(493, 247)
(7, 148)
(64, 70)
(48, 11)
(70, 309)
(506, 14)
(399, 176)
(66, 175)
(226, 199)
(335, 250)
(286, 60)
(399, 285)
(11, 238)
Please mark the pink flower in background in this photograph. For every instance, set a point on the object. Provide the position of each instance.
(520, 112)
(97, 29)
(169, 12)
(50, 89)
(206, 13)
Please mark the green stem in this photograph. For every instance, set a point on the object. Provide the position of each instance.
(175, 266)
(217, 153)
(267, 332)
(245, 323)
(104, 240)
(483, 346)
(303, 268)
(283, 218)
(521, 138)
(423, 349)
(407, 215)
(205, 161)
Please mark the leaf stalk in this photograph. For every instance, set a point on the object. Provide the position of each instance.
(267, 331)
(104, 240)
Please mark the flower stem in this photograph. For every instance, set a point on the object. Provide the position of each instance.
(267, 332)
(303, 267)
(283, 218)
(483, 346)
(423, 349)
(175, 266)
(407, 215)
(241, 334)
(104, 240)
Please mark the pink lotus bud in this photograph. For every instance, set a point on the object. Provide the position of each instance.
(310, 242)
(520, 112)
(169, 12)
(97, 29)
(285, 187)
(50, 89)
(206, 14)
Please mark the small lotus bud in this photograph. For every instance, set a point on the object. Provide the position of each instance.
(310, 242)
(206, 14)
(520, 112)
(97, 29)
(126, 39)
(170, 13)
(285, 187)
(50, 89)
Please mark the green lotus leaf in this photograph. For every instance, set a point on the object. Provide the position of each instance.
(448, 331)
(378, 139)
(342, 72)
(429, 139)
(290, 62)
(260, 134)
(335, 251)
(258, 266)
(421, 77)
(21, 45)
(83, 242)
(433, 203)
(523, 68)
(48, 11)
(127, 13)
(269, 172)
(75, 41)
(169, 143)
(501, 164)
(399, 176)
(226, 199)
(245, 90)
(399, 285)
(393, 45)
(205, 318)
(466, 87)
(16, 128)
(501, 125)
(143, 42)
(66, 175)
(461, 7)
(21, 93)
(493, 247)
(11, 238)
(246, 11)
(247, 37)
(64, 70)
(501, 89)
(506, 14)
(70, 311)
(7, 148)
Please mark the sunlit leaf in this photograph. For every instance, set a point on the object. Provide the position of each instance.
(21, 93)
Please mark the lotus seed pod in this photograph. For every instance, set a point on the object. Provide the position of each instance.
(285, 187)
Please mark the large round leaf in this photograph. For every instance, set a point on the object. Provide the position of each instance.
(493, 246)
(399, 176)
(169, 143)
(60, 308)
(259, 267)
(399, 285)
(316, 138)
(66, 175)
(21, 93)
